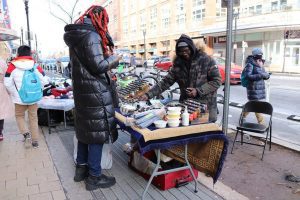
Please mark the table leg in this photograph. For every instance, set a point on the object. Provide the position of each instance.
(154, 173)
(190, 168)
(49, 124)
(65, 119)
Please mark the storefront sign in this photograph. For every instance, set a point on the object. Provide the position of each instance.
(292, 34)
(221, 39)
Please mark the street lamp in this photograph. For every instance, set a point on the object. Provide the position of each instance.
(144, 34)
(27, 17)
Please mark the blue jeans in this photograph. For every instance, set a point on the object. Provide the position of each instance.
(90, 154)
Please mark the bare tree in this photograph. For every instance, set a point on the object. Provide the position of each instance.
(70, 14)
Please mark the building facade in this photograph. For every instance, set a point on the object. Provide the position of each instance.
(152, 28)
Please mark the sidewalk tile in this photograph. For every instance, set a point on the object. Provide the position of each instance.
(8, 194)
(8, 176)
(34, 180)
(41, 196)
(28, 190)
(16, 183)
(58, 195)
(50, 186)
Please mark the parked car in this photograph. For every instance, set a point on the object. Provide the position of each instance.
(152, 60)
(139, 62)
(235, 73)
(165, 63)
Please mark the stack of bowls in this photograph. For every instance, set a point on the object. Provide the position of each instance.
(173, 116)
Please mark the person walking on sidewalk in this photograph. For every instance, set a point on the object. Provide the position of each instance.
(195, 72)
(13, 81)
(91, 58)
(6, 105)
(256, 75)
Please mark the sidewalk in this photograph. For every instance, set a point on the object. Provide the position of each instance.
(27, 174)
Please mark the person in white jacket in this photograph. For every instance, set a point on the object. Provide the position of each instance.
(13, 82)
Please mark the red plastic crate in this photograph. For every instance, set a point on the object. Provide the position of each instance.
(170, 180)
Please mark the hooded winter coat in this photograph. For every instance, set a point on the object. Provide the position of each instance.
(256, 76)
(94, 92)
(200, 72)
(14, 76)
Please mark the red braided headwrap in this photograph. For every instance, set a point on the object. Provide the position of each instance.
(99, 18)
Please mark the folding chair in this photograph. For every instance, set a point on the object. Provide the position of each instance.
(256, 107)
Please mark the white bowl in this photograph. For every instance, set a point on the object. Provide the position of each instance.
(160, 124)
(174, 124)
(174, 109)
(173, 120)
(171, 112)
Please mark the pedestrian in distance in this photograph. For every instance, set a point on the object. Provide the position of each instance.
(6, 105)
(195, 72)
(95, 97)
(18, 85)
(256, 75)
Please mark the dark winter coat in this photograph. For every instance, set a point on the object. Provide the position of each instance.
(201, 72)
(94, 93)
(256, 76)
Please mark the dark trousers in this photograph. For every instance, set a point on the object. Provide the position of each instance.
(1, 125)
(90, 154)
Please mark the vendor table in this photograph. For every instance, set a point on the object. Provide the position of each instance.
(162, 139)
(56, 104)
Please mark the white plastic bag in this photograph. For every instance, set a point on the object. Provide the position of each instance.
(106, 158)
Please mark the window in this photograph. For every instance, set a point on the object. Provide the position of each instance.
(283, 4)
(220, 12)
(274, 6)
(153, 19)
(180, 17)
(198, 10)
(143, 18)
(125, 7)
(133, 24)
(258, 9)
(166, 14)
(251, 10)
(125, 27)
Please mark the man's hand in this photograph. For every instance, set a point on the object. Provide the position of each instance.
(191, 92)
(143, 98)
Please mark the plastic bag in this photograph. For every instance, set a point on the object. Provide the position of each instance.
(106, 158)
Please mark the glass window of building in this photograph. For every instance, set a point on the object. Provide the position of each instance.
(274, 6)
(283, 4)
(180, 14)
(143, 20)
(153, 19)
(133, 24)
(198, 10)
(166, 15)
(258, 9)
(251, 10)
(220, 12)
(125, 7)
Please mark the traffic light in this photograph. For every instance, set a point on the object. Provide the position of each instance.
(286, 34)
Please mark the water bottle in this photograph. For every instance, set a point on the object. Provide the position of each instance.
(185, 117)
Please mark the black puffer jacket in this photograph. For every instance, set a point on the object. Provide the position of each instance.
(201, 72)
(94, 93)
(256, 75)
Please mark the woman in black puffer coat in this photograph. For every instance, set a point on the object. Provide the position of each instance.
(94, 93)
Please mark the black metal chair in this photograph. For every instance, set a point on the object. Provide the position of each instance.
(256, 107)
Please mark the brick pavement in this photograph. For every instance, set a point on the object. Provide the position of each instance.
(27, 174)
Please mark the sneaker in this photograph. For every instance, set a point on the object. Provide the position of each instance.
(81, 173)
(1, 137)
(27, 140)
(103, 181)
(35, 144)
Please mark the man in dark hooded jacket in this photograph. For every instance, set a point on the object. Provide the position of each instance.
(90, 49)
(256, 75)
(195, 72)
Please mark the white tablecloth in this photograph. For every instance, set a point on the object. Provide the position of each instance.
(56, 104)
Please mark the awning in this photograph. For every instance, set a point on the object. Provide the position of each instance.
(7, 34)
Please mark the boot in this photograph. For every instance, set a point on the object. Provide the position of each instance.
(103, 181)
(81, 173)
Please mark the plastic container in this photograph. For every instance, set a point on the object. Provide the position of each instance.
(160, 124)
(185, 118)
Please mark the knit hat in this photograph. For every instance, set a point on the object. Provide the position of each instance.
(182, 44)
(257, 51)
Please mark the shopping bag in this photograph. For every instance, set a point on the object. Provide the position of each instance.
(106, 158)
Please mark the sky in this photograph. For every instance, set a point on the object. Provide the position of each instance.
(48, 29)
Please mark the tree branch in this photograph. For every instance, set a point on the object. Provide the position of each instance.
(58, 17)
(73, 9)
